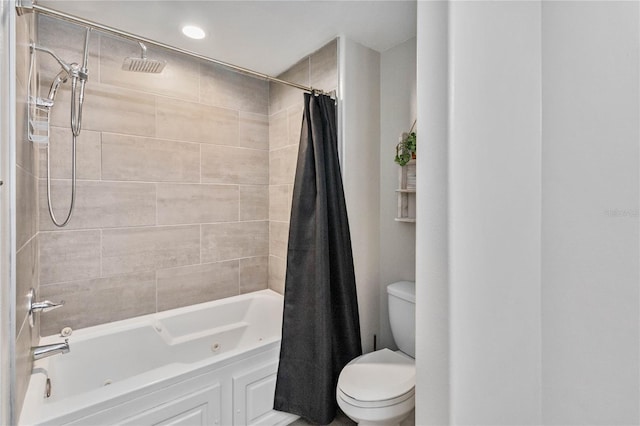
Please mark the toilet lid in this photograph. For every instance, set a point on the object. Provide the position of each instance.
(378, 376)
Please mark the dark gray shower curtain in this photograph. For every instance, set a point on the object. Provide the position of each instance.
(321, 327)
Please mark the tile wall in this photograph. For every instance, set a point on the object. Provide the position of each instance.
(184, 181)
(318, 70)
(172, 204)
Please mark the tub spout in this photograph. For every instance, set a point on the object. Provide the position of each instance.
(44, 351)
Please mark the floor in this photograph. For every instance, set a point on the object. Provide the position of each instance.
(340, 420)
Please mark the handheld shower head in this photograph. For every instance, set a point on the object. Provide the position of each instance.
(143, 64)
(62, 77)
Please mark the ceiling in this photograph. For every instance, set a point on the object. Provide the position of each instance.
(266, 36)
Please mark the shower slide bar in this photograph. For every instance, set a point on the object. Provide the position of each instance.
(27, 6)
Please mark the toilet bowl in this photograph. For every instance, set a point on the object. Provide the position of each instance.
(378, 388)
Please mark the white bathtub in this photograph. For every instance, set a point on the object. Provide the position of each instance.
(208, 364)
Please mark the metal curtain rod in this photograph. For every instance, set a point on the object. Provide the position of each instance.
(25, 6)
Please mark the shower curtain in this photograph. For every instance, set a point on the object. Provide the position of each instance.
(321, 329)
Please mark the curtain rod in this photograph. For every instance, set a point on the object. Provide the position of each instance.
(26, 6)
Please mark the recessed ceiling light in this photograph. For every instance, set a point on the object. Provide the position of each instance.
(192, 31)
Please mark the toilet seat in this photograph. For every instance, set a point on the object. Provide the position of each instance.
(375, 404)
(377, 379)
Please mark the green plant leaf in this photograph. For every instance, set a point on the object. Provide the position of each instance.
(405, 149)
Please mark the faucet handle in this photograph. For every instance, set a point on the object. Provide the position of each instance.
(44, 306)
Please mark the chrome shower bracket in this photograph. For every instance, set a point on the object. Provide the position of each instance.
(24, 6)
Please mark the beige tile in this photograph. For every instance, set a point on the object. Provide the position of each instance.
(69, 256)
(323, 66)
(99, 204)
(178, 79)
(254, 130)
(277, 273)
(281, 96)
(146, 159)
(278, 239)
(280, 202)
(278, 130)
(224, 241)
(23, 27)
(254, 202)
(88, 153)
(109, 109)
(26, 278)
(99, 301)
(67, 41)
(282, 165)
(225, 164)
(26, 205)
(254, 274)
(143, 249)
(228, 89)
(189, 285)
(190, 121)
(197, 203)
(225, 125)
(24, 364)
(295, 124)
(25, 149)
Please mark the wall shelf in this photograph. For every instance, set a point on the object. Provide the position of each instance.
(405, 219)
(406, 193)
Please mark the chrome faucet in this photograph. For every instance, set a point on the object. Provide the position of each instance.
(35, 307)
(44, 351)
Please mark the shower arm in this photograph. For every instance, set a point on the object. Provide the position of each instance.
(65, 66)
(143, 48)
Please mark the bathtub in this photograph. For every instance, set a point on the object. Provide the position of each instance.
(208, 364)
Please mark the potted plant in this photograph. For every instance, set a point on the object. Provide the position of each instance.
(406, 148)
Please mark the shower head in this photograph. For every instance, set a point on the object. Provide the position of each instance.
(143, 64)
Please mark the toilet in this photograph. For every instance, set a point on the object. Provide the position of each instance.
(378, 388)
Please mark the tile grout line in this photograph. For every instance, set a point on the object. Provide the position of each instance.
(148, 182)
(156, 217)
(156, 284)
(100, 156)
(101, 250)
(160, 227)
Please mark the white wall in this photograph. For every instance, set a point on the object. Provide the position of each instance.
(397, 112)
(359, 94)
(590, 184)
(432, 229)
(494, 161)
(536, 207)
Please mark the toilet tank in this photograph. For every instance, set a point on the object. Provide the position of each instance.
(402, 315)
